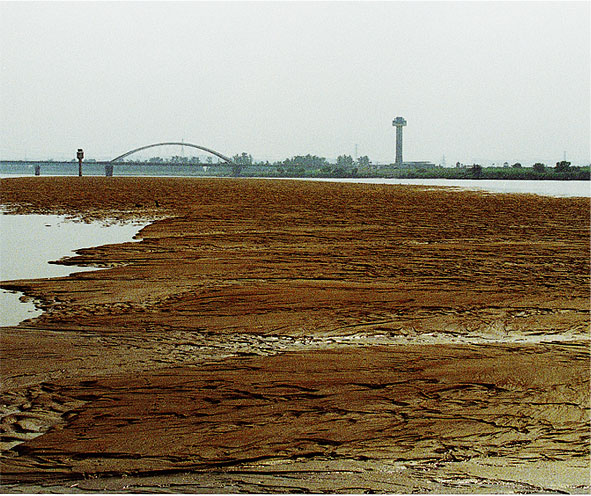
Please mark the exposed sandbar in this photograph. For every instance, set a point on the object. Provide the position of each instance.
(358, 337)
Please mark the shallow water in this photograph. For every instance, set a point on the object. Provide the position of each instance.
(543, 188)
(29, 242)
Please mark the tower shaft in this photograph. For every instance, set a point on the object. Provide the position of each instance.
(399, 123)
(399, 145)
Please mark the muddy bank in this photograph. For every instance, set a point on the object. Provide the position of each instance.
(281, 336)
(298, 258)
(418, 406)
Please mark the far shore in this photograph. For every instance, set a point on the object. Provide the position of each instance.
(299, 168)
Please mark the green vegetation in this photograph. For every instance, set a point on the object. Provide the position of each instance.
(242, 159)
(536, 172)
(346, 166)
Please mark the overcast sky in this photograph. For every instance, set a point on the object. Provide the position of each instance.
(476, 81)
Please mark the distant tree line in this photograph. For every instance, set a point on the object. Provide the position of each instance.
(346, 166)
(314, 166)
(176, 159)
(561, 171)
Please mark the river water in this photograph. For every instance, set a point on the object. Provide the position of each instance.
(29, 242)
(543, 188)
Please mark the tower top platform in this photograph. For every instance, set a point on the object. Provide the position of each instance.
(399, 121)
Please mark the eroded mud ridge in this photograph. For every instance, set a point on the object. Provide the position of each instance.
(299, 336)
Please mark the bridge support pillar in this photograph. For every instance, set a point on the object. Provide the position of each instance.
(236, 169)
(109, 170)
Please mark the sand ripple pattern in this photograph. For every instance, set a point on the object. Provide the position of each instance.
(303, 337)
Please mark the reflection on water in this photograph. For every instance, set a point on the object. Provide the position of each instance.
(29, 242)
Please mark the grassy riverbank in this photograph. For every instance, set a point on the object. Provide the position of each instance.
(469, 172)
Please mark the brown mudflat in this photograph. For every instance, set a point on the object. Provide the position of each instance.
(271, 336)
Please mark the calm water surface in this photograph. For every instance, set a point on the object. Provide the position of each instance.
(543, 188)
(29, 242)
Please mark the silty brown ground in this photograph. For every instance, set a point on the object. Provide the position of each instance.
(308, 336)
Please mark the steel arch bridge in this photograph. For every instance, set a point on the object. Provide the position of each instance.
(209, 150)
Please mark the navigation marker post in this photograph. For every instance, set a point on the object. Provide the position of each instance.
(80, 156)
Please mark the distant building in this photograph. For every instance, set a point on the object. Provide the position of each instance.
(416, 165)
(399, 123)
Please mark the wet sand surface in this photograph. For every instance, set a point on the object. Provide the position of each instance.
(275, 336)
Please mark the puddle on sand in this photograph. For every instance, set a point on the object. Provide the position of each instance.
(29, 242)
(14, 310)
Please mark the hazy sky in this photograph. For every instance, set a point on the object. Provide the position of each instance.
(476, 81)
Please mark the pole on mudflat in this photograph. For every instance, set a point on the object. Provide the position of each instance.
(80, 155)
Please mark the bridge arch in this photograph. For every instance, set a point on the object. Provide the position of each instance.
(209, 150)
